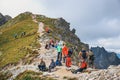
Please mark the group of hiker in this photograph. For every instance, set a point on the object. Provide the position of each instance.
(64, 54)
(50, 44)
(22, 34)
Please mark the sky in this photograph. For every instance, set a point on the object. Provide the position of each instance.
(97, 22)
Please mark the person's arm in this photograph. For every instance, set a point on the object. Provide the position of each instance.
(87, 53)
(80, 53)
(79, 64)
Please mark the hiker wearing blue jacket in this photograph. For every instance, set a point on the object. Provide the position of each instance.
(52, 65)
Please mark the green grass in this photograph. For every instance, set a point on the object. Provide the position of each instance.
(5, 75)
(31, 75)
(13, 50)
(17, 19)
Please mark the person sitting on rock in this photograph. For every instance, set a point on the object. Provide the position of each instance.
(23, 34)
(52, 65)
(68, 61)
(51, 43)
(16, 36)
(42, 66)
(82, 66)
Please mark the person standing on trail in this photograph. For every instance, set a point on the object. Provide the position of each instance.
(61, 43)
(59, 54)
(42, 65)
(16, 36)
(70, 51)
(23, 34)
(90, 59)
(64, 52)
(82, 66)
(83, 54)
(47, 46)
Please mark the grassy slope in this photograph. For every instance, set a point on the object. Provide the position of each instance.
(14, 49)
(31, 75)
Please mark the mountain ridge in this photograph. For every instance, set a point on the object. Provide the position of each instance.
(4, 19)
(26, 51)
(103, 58)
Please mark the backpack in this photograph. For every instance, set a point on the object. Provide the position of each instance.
(70, 52)
(91, 57)
(58, 63)
(84, 54)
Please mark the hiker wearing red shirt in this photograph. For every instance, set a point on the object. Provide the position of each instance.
(83, 65)
(64, 52)
(68, 61)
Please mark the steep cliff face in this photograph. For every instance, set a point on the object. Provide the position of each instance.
(4, 19)
(104, 59)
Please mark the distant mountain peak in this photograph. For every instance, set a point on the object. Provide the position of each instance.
(4, 19)
(103, 58)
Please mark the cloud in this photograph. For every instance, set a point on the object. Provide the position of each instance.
(106, 28)
(15, 7)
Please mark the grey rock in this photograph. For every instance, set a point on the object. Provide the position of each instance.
(104, 59)
(4, 19)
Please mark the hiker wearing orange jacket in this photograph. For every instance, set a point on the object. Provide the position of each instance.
(64, 52)
(83, 65)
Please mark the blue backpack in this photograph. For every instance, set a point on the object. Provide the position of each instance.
(58, 63)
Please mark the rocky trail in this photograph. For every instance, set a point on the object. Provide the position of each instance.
(60, 72)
